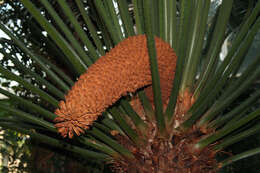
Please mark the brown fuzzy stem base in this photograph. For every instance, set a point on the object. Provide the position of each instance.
(163, 156)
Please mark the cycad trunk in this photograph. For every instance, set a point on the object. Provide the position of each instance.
(171, 154)
(160, 155)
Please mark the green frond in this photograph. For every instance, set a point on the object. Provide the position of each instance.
(75, 60)
(149, 30)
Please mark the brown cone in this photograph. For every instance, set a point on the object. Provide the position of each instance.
(122, 70)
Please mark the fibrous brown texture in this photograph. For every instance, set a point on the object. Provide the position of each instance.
(164, 156)
(122, 70)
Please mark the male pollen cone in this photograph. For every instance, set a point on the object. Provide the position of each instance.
(124, 69)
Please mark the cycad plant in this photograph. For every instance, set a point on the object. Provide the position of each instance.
(151, 92)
